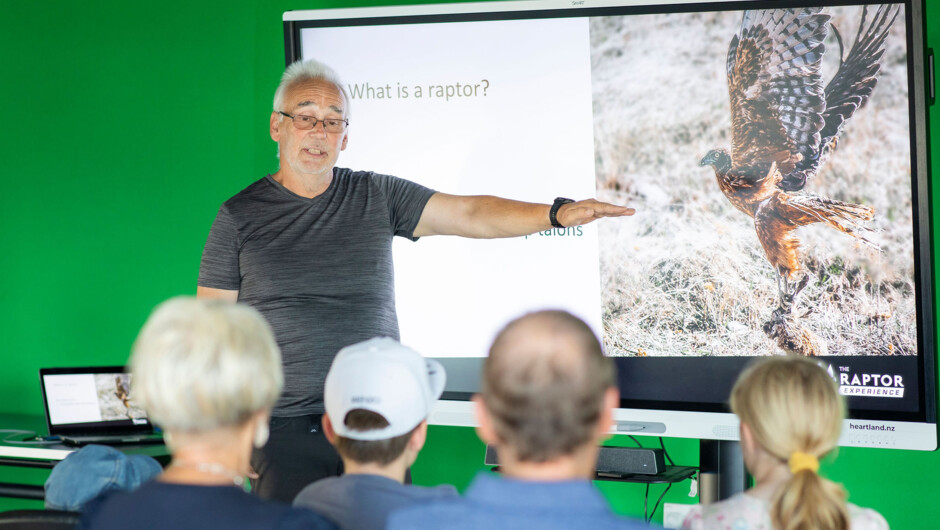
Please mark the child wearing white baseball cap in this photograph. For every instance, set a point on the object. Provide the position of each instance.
(378, 396)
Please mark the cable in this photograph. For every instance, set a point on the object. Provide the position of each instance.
(665, 453)
(655, 506)
(29, 434)
(648, 517)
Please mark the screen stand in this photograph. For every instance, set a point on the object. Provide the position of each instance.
(722, 472)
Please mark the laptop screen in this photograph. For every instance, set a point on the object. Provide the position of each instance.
(91, 400)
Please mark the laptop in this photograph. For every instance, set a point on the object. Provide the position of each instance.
(87, 405)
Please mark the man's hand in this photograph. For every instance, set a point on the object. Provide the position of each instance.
(487, 217)
(586, 211)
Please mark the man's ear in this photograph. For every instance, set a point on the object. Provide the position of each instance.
(611, 400)
(485, 430)
(275, 127)
(345, 139)
(328, 429)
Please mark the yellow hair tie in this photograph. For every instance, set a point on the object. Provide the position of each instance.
(800, 461)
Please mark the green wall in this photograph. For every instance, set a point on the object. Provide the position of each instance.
(124, 125)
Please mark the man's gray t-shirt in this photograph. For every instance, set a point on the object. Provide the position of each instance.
(364, 502)
(319, 270)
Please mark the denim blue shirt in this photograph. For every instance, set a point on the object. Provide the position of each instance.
(494, 503)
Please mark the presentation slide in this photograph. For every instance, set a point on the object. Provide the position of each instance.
(72, 398)
(478, 108)
(602, 106)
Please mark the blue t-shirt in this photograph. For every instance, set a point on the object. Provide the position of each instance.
(494, 503)
(363, 502)
(160, 505)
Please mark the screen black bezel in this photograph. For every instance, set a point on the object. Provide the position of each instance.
(88, 428)
(632, 388)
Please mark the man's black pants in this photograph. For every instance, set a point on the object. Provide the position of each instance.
(297, 453)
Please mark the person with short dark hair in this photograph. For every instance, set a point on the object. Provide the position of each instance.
(546, 402)
(378, 395)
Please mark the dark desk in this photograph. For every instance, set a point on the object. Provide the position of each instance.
(671, 475)
(46, 456)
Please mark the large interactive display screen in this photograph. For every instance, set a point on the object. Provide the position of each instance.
(776, 159)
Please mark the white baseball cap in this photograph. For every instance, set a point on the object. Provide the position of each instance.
(382, 376)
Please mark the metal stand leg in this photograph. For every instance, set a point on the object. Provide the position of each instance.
(722, 473)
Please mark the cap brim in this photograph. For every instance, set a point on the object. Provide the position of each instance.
(437, 377)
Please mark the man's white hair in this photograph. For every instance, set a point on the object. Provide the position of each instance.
(202, 364)
(308, 70)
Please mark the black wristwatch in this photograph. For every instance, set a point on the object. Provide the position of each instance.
(553, 213)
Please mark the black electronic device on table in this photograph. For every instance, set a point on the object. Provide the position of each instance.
(85, 405)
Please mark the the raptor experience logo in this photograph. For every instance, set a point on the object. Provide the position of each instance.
(867, 384)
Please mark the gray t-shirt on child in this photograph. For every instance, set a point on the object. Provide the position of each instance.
(319, 270)
(364, 502)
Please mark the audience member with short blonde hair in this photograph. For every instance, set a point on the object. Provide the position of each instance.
(200, 365)
(791, 416)
(207, 372)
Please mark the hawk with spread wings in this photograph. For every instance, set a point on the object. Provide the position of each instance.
(784, 126)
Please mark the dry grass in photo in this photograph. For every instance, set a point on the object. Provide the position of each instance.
(687, 276)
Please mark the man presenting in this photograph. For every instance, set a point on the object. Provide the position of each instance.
(310, 248)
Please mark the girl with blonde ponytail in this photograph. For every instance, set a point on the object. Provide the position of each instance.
(791, 415)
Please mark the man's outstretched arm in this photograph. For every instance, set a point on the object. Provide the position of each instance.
(222, 294)
(486, 217)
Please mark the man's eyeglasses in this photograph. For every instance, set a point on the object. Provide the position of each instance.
(305, 123)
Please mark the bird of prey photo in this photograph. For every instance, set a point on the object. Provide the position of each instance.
(784, 126)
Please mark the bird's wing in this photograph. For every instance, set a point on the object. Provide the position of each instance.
(775, 88)
(853, 83)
